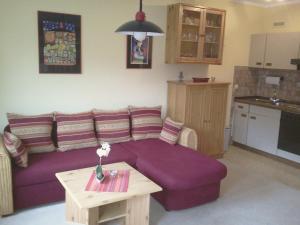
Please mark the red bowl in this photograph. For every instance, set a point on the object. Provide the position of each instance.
(200, 79)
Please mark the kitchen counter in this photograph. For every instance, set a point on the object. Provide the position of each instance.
(287, 106)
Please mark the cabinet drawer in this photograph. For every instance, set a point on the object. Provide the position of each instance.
(274, 113)
(241, 107)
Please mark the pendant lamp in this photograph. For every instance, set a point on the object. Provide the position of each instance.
(140, 28)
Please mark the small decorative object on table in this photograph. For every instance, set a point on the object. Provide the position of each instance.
(200, 79)
(103, 151)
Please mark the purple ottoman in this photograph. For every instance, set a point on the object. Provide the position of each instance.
(188, 178)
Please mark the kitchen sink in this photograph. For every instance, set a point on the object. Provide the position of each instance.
(280, 104)
(263, 100)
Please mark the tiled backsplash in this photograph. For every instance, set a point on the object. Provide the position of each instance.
(251, 82)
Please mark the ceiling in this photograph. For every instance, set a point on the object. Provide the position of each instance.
(268, 3)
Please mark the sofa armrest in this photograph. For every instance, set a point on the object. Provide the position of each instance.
(188, 138)
(6, 194)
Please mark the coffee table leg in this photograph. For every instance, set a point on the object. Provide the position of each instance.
(93, 216)
(138, 210)
(77, 215)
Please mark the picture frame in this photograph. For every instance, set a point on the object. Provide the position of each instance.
(59, 37)
(139, 54)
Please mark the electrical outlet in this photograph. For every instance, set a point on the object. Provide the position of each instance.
(279, 24)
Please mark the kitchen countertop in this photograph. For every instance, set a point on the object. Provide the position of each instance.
(287, 106)
(191, 83)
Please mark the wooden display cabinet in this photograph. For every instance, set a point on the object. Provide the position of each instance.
(195, 34)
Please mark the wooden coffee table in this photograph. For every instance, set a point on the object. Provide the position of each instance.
(91, 208)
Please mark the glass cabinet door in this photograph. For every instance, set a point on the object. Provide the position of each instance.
(190, 33)
(213, 40)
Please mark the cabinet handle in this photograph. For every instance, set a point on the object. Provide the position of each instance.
(243, 115)
(258, 63)
(253, 117)
(240, 106)
(268, 64)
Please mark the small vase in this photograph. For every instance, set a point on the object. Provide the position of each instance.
(99, 173)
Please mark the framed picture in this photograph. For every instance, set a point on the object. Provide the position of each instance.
(59, 43)
(139, 53)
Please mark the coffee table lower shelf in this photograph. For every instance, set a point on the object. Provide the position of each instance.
(132, 211)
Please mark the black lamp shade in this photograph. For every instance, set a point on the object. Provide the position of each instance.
(134, 26)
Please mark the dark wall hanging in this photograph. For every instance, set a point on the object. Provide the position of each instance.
(139, 53)
(59, 43)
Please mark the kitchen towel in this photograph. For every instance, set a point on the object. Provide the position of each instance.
(273, 80)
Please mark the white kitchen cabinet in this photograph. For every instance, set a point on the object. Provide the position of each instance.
(274, 50)
(263, 129)
(240, 123)
(257, 50)
(280, 49)
(239, 134)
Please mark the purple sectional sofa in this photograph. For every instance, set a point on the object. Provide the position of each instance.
(188, 178)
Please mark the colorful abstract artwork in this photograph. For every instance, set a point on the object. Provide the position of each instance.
(139, 53)
(59, 43)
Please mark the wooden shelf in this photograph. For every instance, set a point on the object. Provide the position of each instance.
(210, 57)
(186, 56)
(213, 27)
(193, 25)
(189, 41)
(209, 42)
(112, 212)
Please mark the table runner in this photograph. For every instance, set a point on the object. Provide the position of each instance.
(117, 183)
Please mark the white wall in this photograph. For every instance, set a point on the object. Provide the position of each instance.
(289, 14)
(104, 83)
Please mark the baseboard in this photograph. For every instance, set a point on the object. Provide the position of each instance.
(268, 155)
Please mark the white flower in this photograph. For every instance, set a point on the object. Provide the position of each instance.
(105, 146)
(104, 150)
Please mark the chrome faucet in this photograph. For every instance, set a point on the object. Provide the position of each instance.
(274, 98)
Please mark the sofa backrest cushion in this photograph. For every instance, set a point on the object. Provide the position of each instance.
(112, 126)
(16, 149)
(75, 131)
(34, 131)
(146, 122)
(53, 132)
(171, 131)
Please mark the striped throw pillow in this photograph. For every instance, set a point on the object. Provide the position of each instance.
(146, 122)
(170, 131)
(16, 149)
(34, 131)
(75, 131)
(112, 126)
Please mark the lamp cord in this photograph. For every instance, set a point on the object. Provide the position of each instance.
(141, 5)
